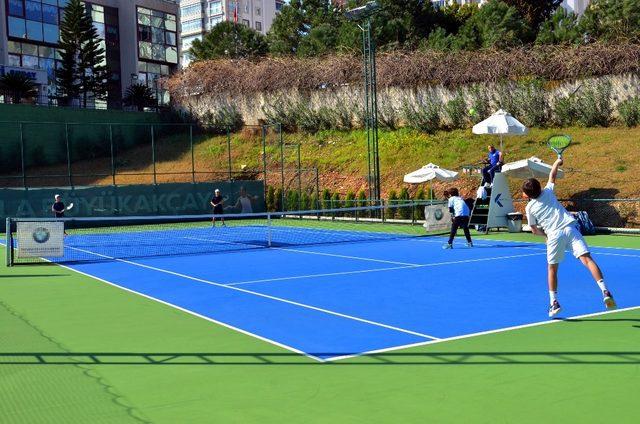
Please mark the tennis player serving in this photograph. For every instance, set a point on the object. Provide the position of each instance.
(548, 218)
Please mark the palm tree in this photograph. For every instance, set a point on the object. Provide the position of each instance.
(140, 96)
(18, 86)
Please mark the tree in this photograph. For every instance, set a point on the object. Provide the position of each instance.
(496, 24)
(612, 21)
(287, 29)
(229, 40)
(18, 86)
(140, 96)
(535, 12)
(560, 28)
(84, 71)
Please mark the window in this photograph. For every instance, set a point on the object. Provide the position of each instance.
(215, 8)
(258, 11)
(258, 26)
(157, 34)
(14, 60)
(279, 6)
(214, 21)
(16, 8)
(171, 38)
(17, 27)
(191, 26)
(191, 10)
(33, 11)
(246, 6)
(34, 30)
(246, 22)
(49, 14)
(50, 33)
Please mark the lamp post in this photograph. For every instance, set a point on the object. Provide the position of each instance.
(363, 16)
(155, 84)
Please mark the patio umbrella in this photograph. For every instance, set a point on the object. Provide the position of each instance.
(430, 172)
(500, 123)
(529, 168)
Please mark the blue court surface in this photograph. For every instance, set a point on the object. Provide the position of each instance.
(335, 300)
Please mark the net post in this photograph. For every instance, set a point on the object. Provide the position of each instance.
(9, 246)
(268, 229)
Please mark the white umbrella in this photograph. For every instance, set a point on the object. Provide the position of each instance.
(430, 172)
(529, 168)
(500, 123)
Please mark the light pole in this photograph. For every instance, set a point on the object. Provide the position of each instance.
(363, 16)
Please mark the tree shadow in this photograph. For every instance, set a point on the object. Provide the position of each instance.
(294, 359)
(601, 213)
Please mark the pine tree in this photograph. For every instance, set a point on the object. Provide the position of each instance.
(84, 72)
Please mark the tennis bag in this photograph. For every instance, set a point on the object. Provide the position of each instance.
(585, 225)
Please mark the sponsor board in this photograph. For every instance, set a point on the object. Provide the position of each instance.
(436, 217)
(40, 239)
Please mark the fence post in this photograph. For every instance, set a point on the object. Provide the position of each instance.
(113, 157)
(281, 163)
(22, 159)
(299, 181)
(264, 158)
(153, 154)
(193, 162)
(317, 189)
(66, 140)
(229, 153)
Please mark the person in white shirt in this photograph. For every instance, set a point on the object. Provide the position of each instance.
(459, 217)
(548, 218)
(243, 204)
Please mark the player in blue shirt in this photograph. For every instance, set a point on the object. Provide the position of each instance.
(494, 164)
(459, 216)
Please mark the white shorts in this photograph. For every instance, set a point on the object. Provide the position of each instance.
(567, 238)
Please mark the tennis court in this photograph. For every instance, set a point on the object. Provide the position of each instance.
(332, 290)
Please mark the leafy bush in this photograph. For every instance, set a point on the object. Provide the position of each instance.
(531, 104)
(314, 202)
(326, 199)
(390, 211)
(423, 114)
(420, 195)
(564, 111)
(456, 111)
(226, 118)
(278, 200)
(388, 117)
(305, 201)
(593, 105)
(293, 200)
(560, 28)
(271, 199)
(480, 103)
(336, 202)
(404, 213)
(629, 111)
(349, 202)
(283, 111)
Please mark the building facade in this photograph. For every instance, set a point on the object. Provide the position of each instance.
(197, 17)
(576, 6)
(140, 38)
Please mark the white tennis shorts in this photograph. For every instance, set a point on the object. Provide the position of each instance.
(566, 238)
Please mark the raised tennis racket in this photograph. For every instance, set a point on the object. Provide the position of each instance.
(70, 206)
(559, 143)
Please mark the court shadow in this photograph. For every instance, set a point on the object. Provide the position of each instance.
(600, 213)
(294, 359)
(33, 275)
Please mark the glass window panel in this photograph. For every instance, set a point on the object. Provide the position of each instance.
(115, 76)
(34, 30)
(170, 38)
(14, 47)
(49, 14)
(16, 8)
(142, 66)
(52, 2)
(170, 25)
(97, 16)
(111, 19)
(33, 11)
(100, 29)
(158, 52)
(145, 50)
(14, 60)
(153, 68)
(17, 27)
(142, 78)
(30, 49)
(111, 33)
(144, 19)
(215, 7)
(144, 33)
(51, 33)
(258, 26)
(157, 22)
(157, 13)
(157, 35)
(97, 7)
(172, 55)
(29, 61)
(63, 3)
(47, 52)
(164, 70)
(49, 66)
(258, 11)
(144, 11)
(170, 17)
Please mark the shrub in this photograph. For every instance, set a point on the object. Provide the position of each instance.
(420, 195)
(530, 103)
(336, 203)
(293, 200)
(480, 102)
(326, 199)
(593, 105)
(350, 202)
(305, 201)
(390, 211)
(423, 114)
(629, 111)
(456, 111)
(404, 213)
(278, 200)
(314, 202)
(225, 118)
(271, 199)
(564, 111)
(388, 117)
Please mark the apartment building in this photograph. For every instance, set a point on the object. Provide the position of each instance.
(198, 17)
(140, 38)
(576, 6)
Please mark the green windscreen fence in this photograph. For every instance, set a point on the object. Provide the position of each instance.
(132, 200)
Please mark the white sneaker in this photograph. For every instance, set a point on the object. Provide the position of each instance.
(447, 246)
(609, 303)
(554, 309)
(470, 244)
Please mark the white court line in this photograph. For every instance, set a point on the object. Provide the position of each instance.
(309, 252)
(462, 261)
(481, 333)
(543, 244)
(266, 296)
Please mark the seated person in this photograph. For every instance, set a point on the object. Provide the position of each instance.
(493, 163)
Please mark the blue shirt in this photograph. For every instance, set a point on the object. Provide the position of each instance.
(494, 157)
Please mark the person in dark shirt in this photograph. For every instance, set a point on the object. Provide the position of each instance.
(217, 202)
(58, 208)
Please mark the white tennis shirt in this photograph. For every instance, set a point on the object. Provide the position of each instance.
(460, 208)
(547, 212)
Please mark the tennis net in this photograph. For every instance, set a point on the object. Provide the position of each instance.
(70, 240)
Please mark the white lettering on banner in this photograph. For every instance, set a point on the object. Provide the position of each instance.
(40, 239)
(436, 217)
